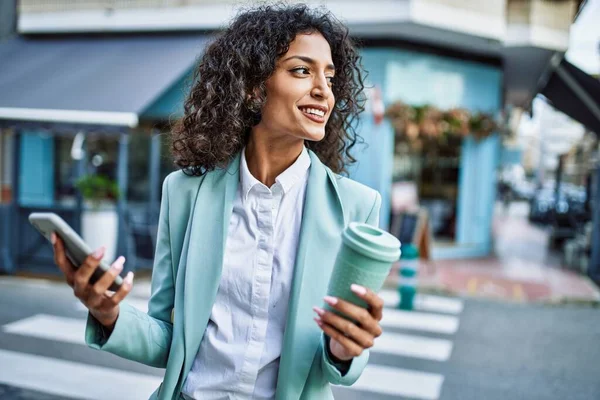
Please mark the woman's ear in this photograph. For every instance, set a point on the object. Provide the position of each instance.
(254, 100)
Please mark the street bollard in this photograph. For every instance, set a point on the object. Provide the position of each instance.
(409, 264)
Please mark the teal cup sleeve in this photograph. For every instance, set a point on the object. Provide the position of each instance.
(365, 258)
(352, 267)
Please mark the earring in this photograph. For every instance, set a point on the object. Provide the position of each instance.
(254, 107)
(252, 104)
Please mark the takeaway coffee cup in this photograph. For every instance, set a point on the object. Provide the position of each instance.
(365, 258)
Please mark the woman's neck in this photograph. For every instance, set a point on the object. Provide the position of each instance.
(267, 157)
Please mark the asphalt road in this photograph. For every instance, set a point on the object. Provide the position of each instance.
(450, 349)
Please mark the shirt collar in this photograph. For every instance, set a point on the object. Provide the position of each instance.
(287, 179)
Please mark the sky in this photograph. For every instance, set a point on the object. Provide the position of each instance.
(584, 40)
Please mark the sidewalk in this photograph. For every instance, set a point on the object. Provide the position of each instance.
(522, 268)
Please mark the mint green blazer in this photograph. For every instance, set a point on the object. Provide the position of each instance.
(194, 218)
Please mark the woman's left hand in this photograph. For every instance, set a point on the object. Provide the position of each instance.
(349, 339)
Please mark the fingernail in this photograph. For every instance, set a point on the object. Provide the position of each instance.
(129, 278)
(318, 321)
(318, 310)
(332, 301)
(99, 253)
(361, 290)
(53, 238)
(118, 265)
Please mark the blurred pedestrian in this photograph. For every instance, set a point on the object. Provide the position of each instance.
(250, 226)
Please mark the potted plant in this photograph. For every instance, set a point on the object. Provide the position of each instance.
(99, 219)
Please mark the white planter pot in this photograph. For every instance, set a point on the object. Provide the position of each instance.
(99, 228)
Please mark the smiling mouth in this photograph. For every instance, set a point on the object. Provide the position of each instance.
(313, 114)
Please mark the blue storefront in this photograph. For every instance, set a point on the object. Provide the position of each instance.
(446, 82)
(139, 107)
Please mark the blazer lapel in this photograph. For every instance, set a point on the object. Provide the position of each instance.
(320, 238)
(204, 261)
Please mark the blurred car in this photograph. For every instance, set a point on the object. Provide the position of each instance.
(543, 204)
(523, 190)
(569, 210)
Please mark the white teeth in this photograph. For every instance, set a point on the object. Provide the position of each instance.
(314, 111)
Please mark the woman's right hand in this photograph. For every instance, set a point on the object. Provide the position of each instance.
(102, 303)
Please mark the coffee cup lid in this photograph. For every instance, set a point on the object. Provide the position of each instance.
(372, 242)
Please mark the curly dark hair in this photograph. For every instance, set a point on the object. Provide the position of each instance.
(218, 117)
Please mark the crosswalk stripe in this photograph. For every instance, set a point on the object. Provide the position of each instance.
(51, 327)
(71, 330)
(399, 382)
(141, 288)
(425, 302)
(67, 378)
(419, 321)
(413, 346)
(439, 304)
(391, 298)
(375, 378)
(428, 303)
(140, 304)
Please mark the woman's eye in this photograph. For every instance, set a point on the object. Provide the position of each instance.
(330, 80)
(301, 70)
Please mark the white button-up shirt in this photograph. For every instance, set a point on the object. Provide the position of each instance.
(240, 351)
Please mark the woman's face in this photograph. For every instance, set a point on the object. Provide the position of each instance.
(299, 99)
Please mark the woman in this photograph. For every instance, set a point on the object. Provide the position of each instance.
(250, 226)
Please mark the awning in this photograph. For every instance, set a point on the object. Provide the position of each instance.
(91, 80)
(575, 93)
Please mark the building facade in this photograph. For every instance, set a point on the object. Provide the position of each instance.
(447, 53)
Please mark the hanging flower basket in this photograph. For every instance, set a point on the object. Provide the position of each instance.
(427, 125)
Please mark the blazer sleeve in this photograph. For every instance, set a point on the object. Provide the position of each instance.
(348, 373)
(345, 374)
(137, 336)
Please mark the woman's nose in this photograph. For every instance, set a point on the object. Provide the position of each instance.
(321, 89)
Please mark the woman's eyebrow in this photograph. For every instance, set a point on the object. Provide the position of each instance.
(309, 61)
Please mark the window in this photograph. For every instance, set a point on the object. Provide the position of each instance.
(138, 169)
(101, 156)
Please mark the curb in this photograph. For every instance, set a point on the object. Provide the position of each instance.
(552, 302)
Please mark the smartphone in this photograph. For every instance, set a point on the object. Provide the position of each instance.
(75, 248)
